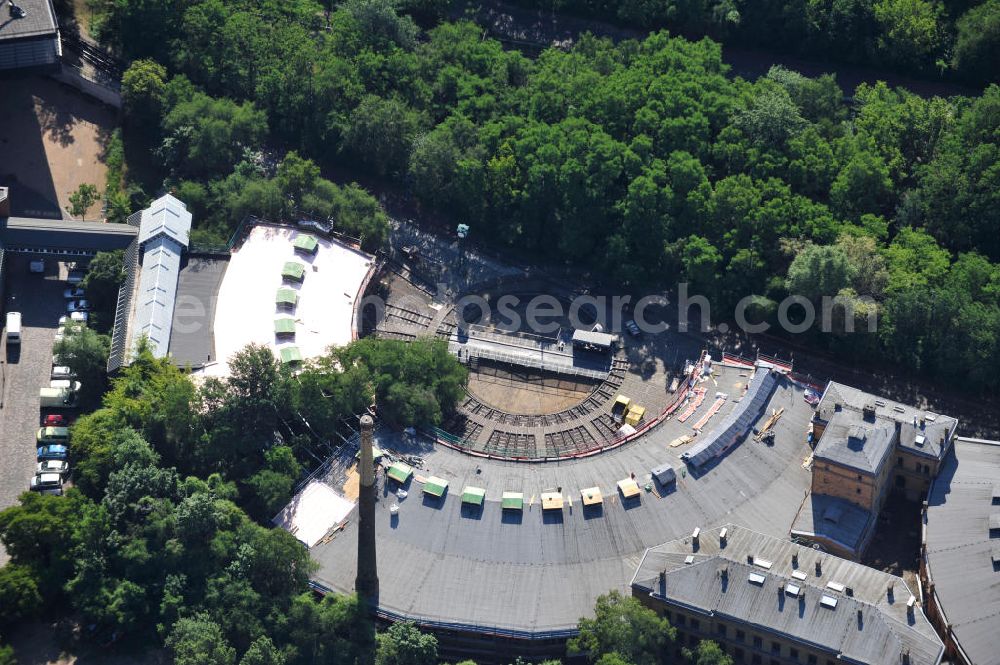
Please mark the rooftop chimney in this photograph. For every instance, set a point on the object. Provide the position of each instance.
(819, 568)
(366, 583)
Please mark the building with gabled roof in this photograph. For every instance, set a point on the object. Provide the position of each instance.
(164, 236)
(866, 446)
(168, 217)
(29, 35)
(770, 601)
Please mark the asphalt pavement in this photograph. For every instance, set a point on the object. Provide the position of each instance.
(24, 370)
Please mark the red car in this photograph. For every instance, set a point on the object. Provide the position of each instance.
(54, 420)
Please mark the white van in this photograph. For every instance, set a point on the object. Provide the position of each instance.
(67, 384)
(13, 327)
(56, 398)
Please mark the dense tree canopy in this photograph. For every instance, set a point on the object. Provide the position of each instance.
(644, 161)
(929, 37)
(154, 541)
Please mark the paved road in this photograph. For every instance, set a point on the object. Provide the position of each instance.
(23, 371)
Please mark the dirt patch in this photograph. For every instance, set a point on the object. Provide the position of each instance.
(527, 394)
(352, 486)
(52, 140)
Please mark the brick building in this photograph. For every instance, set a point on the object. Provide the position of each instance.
(866, 448)
(768, 601)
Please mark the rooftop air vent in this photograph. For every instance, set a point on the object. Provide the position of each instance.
(920, 440)
(763, 563)
(689, 559)
(835, 586)
(828, 602)
(798, 574)
(756, 578)
(792, 590)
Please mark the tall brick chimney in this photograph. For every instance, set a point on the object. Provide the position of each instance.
(366, 583)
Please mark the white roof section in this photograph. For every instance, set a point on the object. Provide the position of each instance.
(154, 304)
(324, 312)
(166, 216)
(311, 514)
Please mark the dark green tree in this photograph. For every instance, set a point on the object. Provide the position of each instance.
(622, 626)
(198, 641)
(404, 644)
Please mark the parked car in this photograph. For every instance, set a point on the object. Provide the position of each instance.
(75, 277)
(62, 372)
(52, 451)
(632, 328)
(59, 466)
(70, 294)
(50, 483)
(65, 384)
(52, 435)
(77, 306)
(54, 420)
(80, 317)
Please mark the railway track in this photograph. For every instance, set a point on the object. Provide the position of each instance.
(98, 58)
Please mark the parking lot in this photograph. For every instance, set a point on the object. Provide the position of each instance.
(24, 370)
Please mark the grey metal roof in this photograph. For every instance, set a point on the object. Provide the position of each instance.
(737, 423)
(913, 420)
(154, 300)
(959, 548)
(664, 474)
(593, 337)
(833, 520)
(536, 573)
(191, 334)
(717, 583)
(166, 216)
(40, 20)
(851, 440)
(63, 234)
